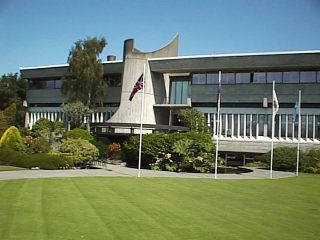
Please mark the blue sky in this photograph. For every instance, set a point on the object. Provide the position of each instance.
(41, 32)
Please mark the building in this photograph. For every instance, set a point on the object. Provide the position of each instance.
(175, 82)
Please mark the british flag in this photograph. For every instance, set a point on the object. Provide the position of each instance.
(137, 87)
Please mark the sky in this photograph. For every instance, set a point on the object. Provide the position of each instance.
(42, 32)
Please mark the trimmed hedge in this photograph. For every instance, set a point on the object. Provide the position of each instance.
(41, 160)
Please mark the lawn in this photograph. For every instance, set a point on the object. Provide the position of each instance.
(10, 168)
(160, 208)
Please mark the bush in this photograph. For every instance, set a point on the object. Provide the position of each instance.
(284, 158)
(310, 160)
(12, 139)
(40, 145)
(113, 151)
(80, 133)
(41, 160)
(43, 128)
(197, 156)
(81, 148)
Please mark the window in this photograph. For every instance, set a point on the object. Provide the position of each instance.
(50, 84)
(274, 76)
(58, 84)
(308, 77)
(179, 92)
(212, 78)
(199, 78)
(113, 80)
(228, 78)
(291, 77)
(259, 77)
(318, 76)
(242, 77)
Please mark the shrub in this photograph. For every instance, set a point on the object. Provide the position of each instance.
(12, 139)
(80, 133)
(40, 145)
(284, 158)
(43, 127)
(81, 148)
(113, 150)
(194, 120)
(41, 160)
(100, 145)
(310, 160)
(197, 156)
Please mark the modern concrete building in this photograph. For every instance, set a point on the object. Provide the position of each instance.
(175, 82)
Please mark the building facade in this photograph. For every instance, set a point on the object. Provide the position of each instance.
(175, 82)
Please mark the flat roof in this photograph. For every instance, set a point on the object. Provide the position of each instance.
(236, 55)
(63, 65)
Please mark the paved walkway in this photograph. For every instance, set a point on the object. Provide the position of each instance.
(116, 170)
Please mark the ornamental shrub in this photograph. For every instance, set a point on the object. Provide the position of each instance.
(310, 160)
(41, 160)
(82, 149)
(197, 156)
(40, 145)
(12, 139)
(284, 158)
(43, 127)
(80, 133)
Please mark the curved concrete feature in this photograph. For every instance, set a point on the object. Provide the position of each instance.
(134, 60)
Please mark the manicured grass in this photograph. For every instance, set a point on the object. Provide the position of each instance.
(160, 208)
(10, 168)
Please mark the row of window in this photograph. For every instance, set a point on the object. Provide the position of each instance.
(113, 80)
(44, 84)
(257, 77)
(253, 125)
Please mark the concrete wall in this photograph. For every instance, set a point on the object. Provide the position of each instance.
(134, 61)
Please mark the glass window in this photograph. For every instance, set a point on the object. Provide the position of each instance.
(318, 76)
(199, 78)
(291, 77)
(308, 77)
(235, 125)
(58, 84)
(274, 76)
(310, 126)
(212, 78)
(228, 78)
(303, 126)
(179, 92)
(242, 77)
(50, 84)
(113, 80)
(259, 77)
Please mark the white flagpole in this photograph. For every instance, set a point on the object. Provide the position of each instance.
(299, 134)
(218, 130)
(141, 118)
(272, 130)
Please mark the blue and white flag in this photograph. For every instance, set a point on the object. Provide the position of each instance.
(295, 113)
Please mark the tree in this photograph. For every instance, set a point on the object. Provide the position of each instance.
(85, 81)
(75, 112)
(194, 120)
(12, 139)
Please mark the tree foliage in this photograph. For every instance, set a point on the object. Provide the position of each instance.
(85, 81)
(76, 111)
(194, 120)
(12, 139)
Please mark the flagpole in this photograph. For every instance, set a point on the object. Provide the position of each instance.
(141, 118)
(299, 134)
(272, 131)
(218, 130)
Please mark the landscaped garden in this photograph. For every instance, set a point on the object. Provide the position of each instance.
(160, 208)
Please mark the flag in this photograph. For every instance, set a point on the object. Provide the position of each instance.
(275, 103)
(295, 113)
(137, 87)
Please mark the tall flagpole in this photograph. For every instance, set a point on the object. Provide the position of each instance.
(218, 129)
(299, 133)
(141, 118)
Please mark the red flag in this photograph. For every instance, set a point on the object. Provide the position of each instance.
(137, 87)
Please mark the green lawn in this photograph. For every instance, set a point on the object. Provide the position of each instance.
(10, 168)
(160, 208)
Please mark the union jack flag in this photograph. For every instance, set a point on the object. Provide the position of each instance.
(137, 87)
